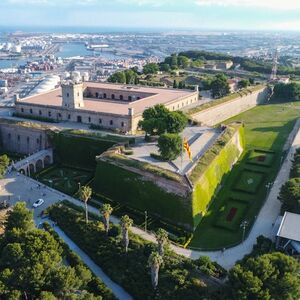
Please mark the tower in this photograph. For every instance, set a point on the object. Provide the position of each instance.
(72, 94)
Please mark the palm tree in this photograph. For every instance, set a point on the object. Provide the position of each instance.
(85, 193)
(126, 223)
(155, 261)
(106, 211)
(162, 239)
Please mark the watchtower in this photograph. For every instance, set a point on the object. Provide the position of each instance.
(72, 94)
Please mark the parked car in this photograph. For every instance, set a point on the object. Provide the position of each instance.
(38, 203)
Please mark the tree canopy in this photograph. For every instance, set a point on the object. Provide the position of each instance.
(170, 146)
(151, 68)
(269, 276)
(31, 263)
(129, 76)
(290, 196)
(287, 92)
(219, 86)
(4, 163)
(158, 120)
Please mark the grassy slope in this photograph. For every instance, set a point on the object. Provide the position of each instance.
(266, 127)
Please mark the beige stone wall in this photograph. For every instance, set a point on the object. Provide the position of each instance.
(224, 111)
(183, 102)
(24, 140)
(108, 121)
(124, 123)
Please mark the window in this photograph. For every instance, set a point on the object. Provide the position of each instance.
(89, 119)
(69, 116)
(113, 96)
(173, 107)
(97, 95)
(9, 136)
(121, 97)
(129, 98)
(78, 94)
(18, 138)
(59, 115)
(22, 109)
(68, 95)
(40, 112)
(177, 105)
(111, 122)
(122, 124)
(138, 98)
(27, 140)
(30, 110)
(100, 121)
(49, 113)
(104, 95)
(37, 140)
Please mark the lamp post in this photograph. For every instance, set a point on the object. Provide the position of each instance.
(268, 186)
(146, 216)
(243, 225)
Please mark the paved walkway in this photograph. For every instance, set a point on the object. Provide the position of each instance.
(117, 290)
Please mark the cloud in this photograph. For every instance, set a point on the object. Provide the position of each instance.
(268, 4)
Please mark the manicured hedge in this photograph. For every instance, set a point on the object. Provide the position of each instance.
(179, 278)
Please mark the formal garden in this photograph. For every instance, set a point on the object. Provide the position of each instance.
(64, 178)
(244, 190)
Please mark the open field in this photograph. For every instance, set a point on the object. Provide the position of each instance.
(266, 129)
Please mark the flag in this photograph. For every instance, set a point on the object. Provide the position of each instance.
(187, 148)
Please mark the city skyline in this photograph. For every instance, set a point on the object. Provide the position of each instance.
(154, 14)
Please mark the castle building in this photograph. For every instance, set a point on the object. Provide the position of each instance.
(110, 106)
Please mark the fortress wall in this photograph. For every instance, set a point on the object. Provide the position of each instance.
(25, 140)
(217, 114)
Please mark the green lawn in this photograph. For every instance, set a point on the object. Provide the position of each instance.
(266, 128)
(64, 179)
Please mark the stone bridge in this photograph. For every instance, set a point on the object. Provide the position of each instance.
(34, 163)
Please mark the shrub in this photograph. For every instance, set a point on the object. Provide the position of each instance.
(178, 275)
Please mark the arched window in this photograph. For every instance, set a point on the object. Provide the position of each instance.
(129, 98)
(121, 97)
(104, 95)
(97, 95)
(112, 96)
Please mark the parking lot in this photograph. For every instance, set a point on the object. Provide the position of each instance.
(16, 187)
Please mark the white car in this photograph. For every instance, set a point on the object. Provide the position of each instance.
(38, 203)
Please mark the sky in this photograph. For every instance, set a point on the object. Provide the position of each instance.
(153, 14)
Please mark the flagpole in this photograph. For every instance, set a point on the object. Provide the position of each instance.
(181, 155)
